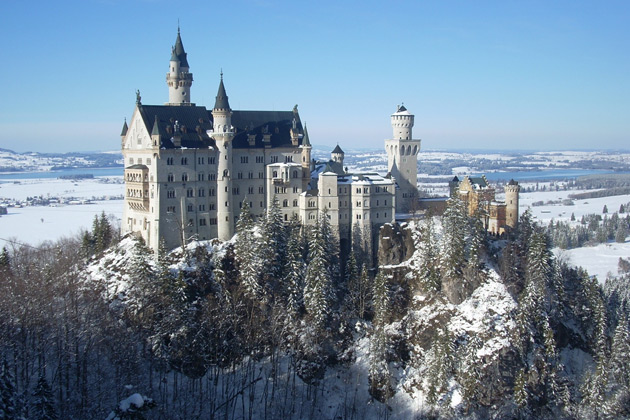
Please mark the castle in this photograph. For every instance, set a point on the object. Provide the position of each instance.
(479, 196)
(188, 169)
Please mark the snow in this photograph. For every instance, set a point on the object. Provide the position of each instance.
(36, 224)
(598, 260)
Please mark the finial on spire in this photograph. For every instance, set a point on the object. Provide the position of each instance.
(138, 97)
(177, 26)
(221, 73)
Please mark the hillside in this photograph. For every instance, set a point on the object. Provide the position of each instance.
(274, 324)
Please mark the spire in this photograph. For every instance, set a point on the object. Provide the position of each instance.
(178, 53)
(337, 149)
(156, 127)
(306, 141)
(222, 98)
(124, 129)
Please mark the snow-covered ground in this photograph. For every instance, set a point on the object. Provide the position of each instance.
(597, 260)
(35, 224)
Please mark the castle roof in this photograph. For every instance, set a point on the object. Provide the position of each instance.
(306, 141)
(124, 129)
(222, 98)
(337, 150)
(178, 53)
(195, 121)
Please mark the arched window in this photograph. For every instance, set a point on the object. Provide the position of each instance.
(295, 203)
(275, 174)
(415, 150)
(285, 203)
(184, 177)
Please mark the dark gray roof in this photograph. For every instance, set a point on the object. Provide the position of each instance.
(156, 127)
(401, 108)
(137, 166)
(178, 51)
(478, 180)
(512, 182)
(337, 150)
(124, 129)
(305, 140)
(194, 121)
(222, 98)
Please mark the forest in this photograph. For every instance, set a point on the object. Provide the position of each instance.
(448, 322)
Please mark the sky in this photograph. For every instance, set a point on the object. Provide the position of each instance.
(495, 75)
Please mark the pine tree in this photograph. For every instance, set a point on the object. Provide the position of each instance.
(621, 234)
(43, 402)
(440, 366)
(379, 375)
(605, 209)
(294, 279)
(5, 260)
(8, 393)
(317, 281)
(273, 252)
(248, 254)
(455, 233)
(429, 269)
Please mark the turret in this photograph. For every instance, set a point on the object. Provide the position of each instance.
(512, 190)
(123, 132)
(402, 158)
(223, 133)
(337, 155)
(179, 79)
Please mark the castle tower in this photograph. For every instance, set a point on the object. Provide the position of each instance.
(402, 159)
(511, 203)
(306, 158)
(223, 133)
(337, 155)
(179, 79)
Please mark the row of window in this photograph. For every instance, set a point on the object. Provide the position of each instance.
(201, 160)
(139, 161)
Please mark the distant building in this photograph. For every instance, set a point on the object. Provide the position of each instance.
(479, 196)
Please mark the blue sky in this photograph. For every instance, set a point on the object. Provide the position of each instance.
(485, 75)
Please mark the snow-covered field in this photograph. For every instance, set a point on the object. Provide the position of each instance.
(35, 224)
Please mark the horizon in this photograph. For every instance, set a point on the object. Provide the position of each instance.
(551, 76)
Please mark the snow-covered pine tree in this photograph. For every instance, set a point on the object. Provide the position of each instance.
(273, 252)
(43, 405)
(428, 272)
(455, 235)
(379, 375)
(294, 278)
(619, 365)
(440, 367)
(318, 280)
(248, 254)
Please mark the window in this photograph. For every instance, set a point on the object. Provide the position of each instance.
(244, 159)
(261, 190)
(202, 222)
(250, 190)
(131, 161)
(170, 194)
(170, 177)
(295, 190)
(235, 191)
(274, 159)
(184, 161)
(261, 175)
(250, 175)
(288, 159)
(213, 220)
(170, 209)
(190, 208)
(285, 203)
(200, 160)
(184, 177)
(212, 206)
(260, 159)
(358, 204)
(295, 203)
(211, 160)
(212, 177)
(169, 161)
(211, 192)
(148, 161)
(200, 177)
(190, 193)
(201, 192)
(275, 174)
(202, 207)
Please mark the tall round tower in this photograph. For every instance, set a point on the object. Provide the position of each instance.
(511, 203)
(402, 159)
(223, 133)
(179, 79)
